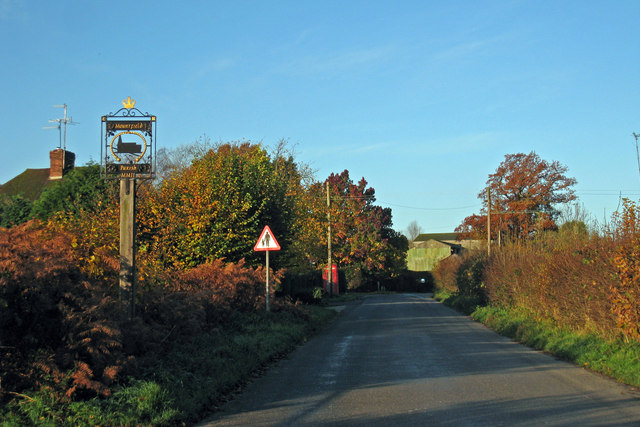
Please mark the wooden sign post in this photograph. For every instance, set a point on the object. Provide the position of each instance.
(267, 243)
(128, 243)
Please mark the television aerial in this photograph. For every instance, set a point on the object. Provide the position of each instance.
(61, 122)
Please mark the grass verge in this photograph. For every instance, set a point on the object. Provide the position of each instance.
(615, 358)
(618, 359)
(182, 385)
(462, 303)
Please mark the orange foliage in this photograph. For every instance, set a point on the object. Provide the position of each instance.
(562, 278)
(51, 308)
(625, 293)
(582, 282)
(524, 190)
(446, 272)
(233, 285)
(59, 321)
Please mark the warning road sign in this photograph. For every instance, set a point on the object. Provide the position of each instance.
(267, 241)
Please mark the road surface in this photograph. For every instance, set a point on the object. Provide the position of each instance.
(405, 359)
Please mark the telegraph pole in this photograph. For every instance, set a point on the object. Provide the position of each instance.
(636, 136)
(489, 221)
(330, 266)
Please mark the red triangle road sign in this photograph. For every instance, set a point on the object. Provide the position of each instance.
(267, 241)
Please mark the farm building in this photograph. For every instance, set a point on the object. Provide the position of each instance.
(427, 250)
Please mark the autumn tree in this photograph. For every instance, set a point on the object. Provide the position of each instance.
(363, 241)
(217, 207)
(525, 191)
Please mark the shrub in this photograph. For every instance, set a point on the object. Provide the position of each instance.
(234, 286)
(55, 323)
(445, 273)
(469, 277)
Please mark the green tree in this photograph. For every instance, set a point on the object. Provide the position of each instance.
(82, 189)
(14, 210)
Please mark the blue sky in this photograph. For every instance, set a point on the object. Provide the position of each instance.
(421, 98)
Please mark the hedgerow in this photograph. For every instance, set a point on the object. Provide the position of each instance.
(580, 281)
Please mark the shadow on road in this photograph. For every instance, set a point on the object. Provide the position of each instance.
(406, 359)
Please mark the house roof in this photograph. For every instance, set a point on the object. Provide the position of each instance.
(425, 237)
(29, 184)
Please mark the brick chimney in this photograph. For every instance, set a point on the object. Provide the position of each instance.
(62, 161)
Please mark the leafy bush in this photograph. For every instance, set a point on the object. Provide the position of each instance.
(469, 277)
(14, 210)
(445, 274)
(82, 189)
(462, 280)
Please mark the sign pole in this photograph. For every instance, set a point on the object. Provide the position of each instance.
(268, 293)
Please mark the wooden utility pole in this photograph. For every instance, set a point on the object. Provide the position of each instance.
(330, 266)
(128, 243)
(488, 221)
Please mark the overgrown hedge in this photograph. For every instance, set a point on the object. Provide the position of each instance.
(64, 330)
(580, 281)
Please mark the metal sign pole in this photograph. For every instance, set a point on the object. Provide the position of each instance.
(268, 307)
(267, 242)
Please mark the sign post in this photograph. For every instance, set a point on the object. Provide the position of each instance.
(267, 243)
(128, 162)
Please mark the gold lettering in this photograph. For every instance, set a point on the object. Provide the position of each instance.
(128, 175)
(124, 125)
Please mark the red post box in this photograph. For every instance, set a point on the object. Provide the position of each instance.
(334, 279)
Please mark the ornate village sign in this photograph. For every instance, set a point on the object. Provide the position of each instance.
(128, 150)
(127, 153)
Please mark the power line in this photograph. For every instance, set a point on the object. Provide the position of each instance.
(429, 209)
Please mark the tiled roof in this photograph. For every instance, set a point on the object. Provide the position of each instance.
(29, 184)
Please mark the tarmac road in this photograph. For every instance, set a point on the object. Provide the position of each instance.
(405, 359)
